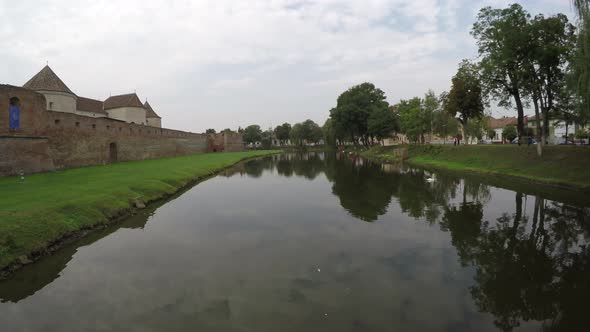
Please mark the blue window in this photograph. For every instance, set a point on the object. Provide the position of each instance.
(14, 114)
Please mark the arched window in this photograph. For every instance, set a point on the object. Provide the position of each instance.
(14, 114)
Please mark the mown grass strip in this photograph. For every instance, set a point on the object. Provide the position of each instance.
(43, 208)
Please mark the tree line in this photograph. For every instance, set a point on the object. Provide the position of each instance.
(524, 62)
(540, 62)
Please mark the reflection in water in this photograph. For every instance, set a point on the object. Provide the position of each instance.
(31, 278)
(527, 268)
(524, 259)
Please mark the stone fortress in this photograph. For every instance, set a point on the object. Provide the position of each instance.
(60, 98)
(56, 129)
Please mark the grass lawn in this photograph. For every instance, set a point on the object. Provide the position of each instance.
(560, 165)
(48, 206)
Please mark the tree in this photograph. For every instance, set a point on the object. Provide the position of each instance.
(465, 100)
(297, 134)
(444, 125)
(252, 134)
(552, 40)
(227, 130)
(329, 133)
(210, 131)
(477, 127)
(581, 61)
(430, 105)
(413, 123)
(382, 123)
(503, 44)
(312, 132)
(266, 139)
(353, 109)
(282, 132)
(509, 133)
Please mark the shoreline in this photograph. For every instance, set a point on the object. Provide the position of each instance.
(115, 217)
(475, 161)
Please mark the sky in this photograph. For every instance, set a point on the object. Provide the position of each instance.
(229, 63)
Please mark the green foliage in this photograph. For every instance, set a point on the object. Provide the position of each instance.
(306, 132)
(417, 116)
(266, 139)
(210, 131)
(283, 132)
(382, 123)
(465, 100)
(509, 133)
(252, 134)
(329, 133)
(503, 40)
(353, 109)
(444, 124)
(477, 127)
(47, 206)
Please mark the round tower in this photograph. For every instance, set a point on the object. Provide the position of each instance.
(57, 94)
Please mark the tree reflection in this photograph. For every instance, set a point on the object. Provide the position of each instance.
(524, 267)
(363, 188)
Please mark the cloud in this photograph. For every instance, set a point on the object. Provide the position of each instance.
(229, 63)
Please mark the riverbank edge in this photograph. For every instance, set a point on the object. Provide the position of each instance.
(117, 217)
(415, 157)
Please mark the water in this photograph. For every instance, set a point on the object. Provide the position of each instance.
(320, 242)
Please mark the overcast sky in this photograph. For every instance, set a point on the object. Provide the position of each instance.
(229, 63)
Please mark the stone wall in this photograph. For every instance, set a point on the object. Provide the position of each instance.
(56, 140)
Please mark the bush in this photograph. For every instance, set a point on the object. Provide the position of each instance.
(509, 133)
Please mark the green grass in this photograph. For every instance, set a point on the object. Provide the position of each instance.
(45, 207)
(379, 153)
(567, 166)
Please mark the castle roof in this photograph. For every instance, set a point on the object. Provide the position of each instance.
(46, 79)
(150, 111)
(128, 100)
(89, 105)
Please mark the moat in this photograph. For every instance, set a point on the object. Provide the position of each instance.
(321, 242)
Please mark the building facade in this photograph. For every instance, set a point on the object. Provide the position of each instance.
(60, 98)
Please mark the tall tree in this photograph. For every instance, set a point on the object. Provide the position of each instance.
(551, 43)
(282, 132)
(383, 123)
(581, 62)
(430, 105)
(503, 44)
(210, 131)
(465, 99)
(252, 134)
(353, 109)
(413, 122)
(297, 134)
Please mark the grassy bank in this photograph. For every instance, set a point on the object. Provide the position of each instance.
(565, 166)
(44, 208)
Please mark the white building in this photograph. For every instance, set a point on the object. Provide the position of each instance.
(60, 98)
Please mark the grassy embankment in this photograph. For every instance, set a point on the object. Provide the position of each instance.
(48, 207)
(566, 166)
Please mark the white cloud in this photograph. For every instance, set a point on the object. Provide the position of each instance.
(276, 60)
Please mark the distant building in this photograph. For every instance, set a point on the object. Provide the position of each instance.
(498, 125)
(60, 98)
(557, 129)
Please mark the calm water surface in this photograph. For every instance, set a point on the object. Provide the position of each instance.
(320, 242)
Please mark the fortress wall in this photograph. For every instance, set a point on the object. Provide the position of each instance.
(233, 142)
(50, 140)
